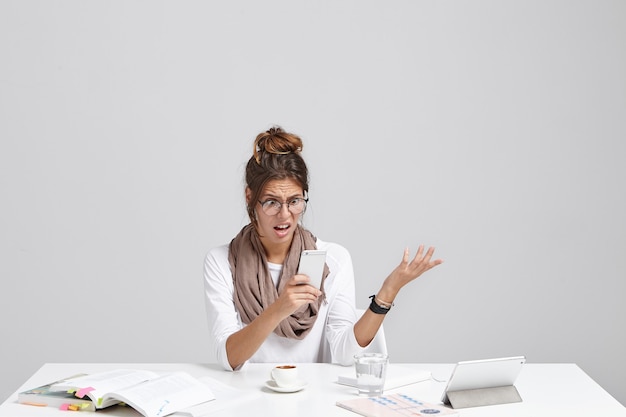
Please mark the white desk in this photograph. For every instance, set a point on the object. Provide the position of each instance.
(546, 390)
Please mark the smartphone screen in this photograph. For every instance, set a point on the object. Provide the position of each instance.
(312, 265)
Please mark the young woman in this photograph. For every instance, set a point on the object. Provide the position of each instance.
(257, 307)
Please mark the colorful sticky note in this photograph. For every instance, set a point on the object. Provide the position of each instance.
(64, 407)
(83, 391)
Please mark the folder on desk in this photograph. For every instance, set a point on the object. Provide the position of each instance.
(397, 376)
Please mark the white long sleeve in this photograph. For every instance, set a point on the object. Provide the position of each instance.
(330, 340)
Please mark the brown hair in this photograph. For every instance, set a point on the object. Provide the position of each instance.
(276, 156)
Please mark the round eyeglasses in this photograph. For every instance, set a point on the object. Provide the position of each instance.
(273, 207)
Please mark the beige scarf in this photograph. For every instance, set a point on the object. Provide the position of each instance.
(254, 288)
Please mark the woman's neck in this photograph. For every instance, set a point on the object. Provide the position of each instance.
(276, 254)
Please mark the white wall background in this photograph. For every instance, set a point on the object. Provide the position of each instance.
(494, 130)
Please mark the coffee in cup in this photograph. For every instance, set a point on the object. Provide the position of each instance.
(285, 375)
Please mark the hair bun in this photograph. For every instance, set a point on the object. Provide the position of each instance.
(277, 142)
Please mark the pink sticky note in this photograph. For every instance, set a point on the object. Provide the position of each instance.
(64, 407)
(83, 391)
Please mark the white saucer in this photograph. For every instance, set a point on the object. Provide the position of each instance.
(299, 385)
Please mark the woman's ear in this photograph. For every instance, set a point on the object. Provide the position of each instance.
(248, 195)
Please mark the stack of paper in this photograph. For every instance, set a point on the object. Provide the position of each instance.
(397, 376)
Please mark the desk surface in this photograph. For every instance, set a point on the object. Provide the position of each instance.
(546, 390)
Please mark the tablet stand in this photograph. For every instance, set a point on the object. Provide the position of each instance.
(483, 396)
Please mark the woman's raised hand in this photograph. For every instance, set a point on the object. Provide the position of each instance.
(408, 270)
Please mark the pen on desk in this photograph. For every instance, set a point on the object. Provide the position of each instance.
(36, 404)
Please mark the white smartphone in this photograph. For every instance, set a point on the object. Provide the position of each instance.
(312, 265)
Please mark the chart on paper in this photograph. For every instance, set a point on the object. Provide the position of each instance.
(394, 405)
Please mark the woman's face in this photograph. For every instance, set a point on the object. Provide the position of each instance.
(277, 229)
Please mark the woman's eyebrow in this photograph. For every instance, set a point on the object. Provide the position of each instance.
(275, 197)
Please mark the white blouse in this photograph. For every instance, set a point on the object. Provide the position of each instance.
(330, 340)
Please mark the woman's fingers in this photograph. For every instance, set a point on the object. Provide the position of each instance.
(297, 292)
(422, 262)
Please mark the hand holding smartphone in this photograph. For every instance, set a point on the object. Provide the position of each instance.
(312, 265)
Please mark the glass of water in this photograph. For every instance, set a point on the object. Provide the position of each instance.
(371, 369)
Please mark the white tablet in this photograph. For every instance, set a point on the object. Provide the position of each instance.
(485, 373)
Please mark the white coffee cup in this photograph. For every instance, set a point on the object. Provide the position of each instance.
(285, 375)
